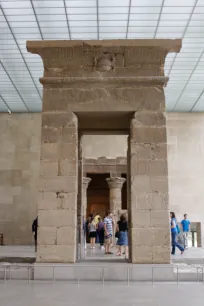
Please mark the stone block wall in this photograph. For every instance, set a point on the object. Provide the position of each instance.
(58, 188)
(19, 175)
(20, 158)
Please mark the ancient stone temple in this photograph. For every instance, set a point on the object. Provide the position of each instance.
(103, 87)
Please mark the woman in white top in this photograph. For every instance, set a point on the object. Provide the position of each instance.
(92, 232)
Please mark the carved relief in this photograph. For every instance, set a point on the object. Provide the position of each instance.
(104, 62)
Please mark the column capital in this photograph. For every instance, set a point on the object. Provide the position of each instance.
(115, 182)
(86, 181)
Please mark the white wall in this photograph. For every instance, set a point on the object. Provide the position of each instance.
(186, 165)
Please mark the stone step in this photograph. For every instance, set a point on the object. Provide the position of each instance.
(100, 273)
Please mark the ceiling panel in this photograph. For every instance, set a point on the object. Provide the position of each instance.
(21, 20)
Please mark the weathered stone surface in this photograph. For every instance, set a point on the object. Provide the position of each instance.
(142, 254)
(58, 184)
(47, 236)
(56, 253)
(161, 255)
(56, 218)
(151, 119)
(48, 168)
(140, 218)
(48, 200)
(65, 236)
(19, 173)
(149, 134)
(160, 218)
(125, 99)
(131, 80)
(49, 151)
(142, 237)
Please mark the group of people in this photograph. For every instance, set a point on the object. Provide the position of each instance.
(102, 230)
(175, 231)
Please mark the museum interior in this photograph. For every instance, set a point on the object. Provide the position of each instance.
(101, 141)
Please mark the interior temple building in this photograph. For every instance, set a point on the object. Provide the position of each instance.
(101, 146)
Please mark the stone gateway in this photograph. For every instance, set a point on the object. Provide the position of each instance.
(110, 87)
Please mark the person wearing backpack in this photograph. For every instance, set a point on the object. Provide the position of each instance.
(174, 234)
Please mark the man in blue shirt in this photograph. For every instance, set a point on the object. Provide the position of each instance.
(185, 223)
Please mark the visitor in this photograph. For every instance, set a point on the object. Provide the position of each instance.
(92, 233)
(185, 223)
(35, 231)
(100, 232)
(108, 232)
(122, 230)
(96, 218)
(174, 233)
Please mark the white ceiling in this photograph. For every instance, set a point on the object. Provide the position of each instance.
(21, 20)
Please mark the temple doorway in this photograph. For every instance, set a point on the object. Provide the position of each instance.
(97, 194)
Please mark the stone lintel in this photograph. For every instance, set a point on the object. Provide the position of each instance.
(173, 45)
(115, 182)
(108, 81)
(67, 63)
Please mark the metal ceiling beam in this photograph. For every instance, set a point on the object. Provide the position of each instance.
(128, 20)
(67, 20)
(14, 86)
(98, 29)
(36, 18)
(202, 93)
(20, 52)
(196, 65)
(184, 33)
(9, 110)
(158, 21)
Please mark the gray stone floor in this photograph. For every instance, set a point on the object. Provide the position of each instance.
(29, 251)
(20, 294)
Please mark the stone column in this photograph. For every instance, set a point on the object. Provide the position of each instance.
(57, 207)
(115, 185)
(150, 234)
(86, 181)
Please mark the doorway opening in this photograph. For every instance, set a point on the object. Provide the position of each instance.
(105, 170)
(98, 194)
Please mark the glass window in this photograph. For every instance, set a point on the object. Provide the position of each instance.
(142, 29)
(83, 30)
(148, 17)
(108, 23)
(142, 23)
(179, 3)
(48, 4)
(82, 17)
(146, 2)
(113, 10)
(83, 23)
(145, 10)
(175, 17)
(81, 11)
(87, 3)
(104, 3)
(19, 11)
(113, 29)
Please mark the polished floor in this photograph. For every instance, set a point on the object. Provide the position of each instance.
(21, 294)
(191, 254)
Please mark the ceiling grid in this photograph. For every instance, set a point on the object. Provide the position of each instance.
(21, 20)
